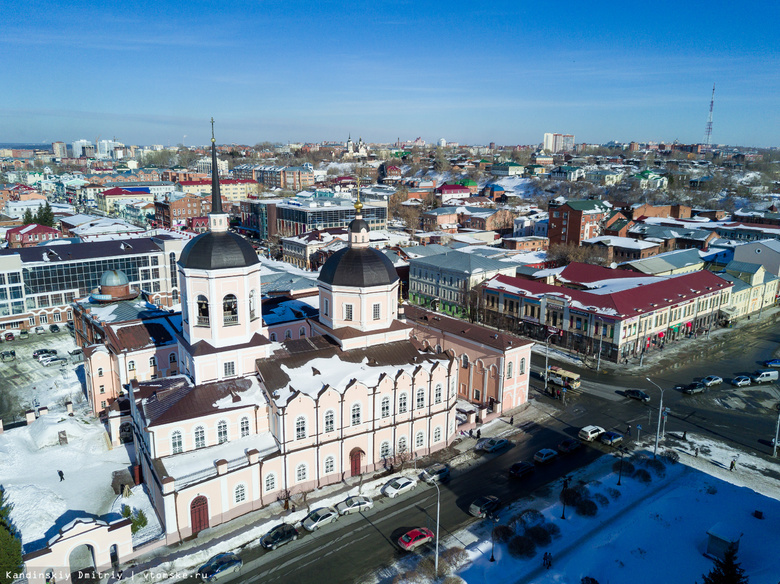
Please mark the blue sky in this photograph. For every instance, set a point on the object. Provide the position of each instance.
(155, 72)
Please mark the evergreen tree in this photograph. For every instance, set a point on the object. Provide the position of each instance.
(727, 570)
(45, 216)
(28, 218)
(10, 543)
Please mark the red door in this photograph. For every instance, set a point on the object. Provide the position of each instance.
(355, 458)
(199, 514)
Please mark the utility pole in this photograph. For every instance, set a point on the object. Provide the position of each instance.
(708, 127)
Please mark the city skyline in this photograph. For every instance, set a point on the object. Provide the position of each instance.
(284, 72)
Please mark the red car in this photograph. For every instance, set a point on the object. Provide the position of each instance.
(9, 336)
(413, 539)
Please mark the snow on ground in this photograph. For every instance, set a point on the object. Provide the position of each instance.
(139, 500)
(30, 457)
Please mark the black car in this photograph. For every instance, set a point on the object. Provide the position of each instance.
(219, 566)
(484, 506)
(520, 469)
(569, 445)
(41, 352)
(279, 535)
(638, 394)
(691, 388)
(54, 328)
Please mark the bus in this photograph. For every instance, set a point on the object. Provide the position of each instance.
(562, 377)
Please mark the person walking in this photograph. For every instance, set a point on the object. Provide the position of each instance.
(628, 430)
(62, 475)
(512, 421)
(733, 464)
(696, 452)
(479, 434)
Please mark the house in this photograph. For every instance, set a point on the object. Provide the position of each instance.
(621, 249)
(570, 173)
(672, 238)
(648, 179)
(671, 263)
(29, 235)
(754, 288)
(607, 178)
(765, 253)
(573, 221)
(507, 169)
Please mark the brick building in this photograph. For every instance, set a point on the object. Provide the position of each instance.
(573, 221)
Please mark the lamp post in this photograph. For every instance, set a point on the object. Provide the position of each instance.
(547, 358)
(438, 507)
(601, 342)
(660, 413)
(563, 496)
(493, 538)
(620, 474)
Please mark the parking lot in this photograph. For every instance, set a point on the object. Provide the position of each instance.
(24, 380)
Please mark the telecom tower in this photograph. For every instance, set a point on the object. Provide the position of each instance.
(708, 127)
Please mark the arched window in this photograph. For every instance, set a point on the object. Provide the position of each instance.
(203, 311)
(385, 407)
(437, 434)
(175, 296)
(239, 494)
(302, 332)
(402, 403)
(420, 398)
(356, 414)
(402, 445)
(300, 428)
(152, 361)
(522, 366)
(200, 437)
(131, 365)
(244, 427)
(230, 310)
(270, 482)
(100, 372)
(419, 440)
(464, 361)
(176, 444)
(330, 419)
(509, 370)
(437, 393)
(287, 335)
(222, 434)
(330, 465)
(325, 307)
(384, 449)
(273, 337)
(172, 358)
(174, 271)
(253, 305)
(301, 473)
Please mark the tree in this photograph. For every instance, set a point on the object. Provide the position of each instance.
(28, 218)
(45, 216)
(440, 162)
(394, 204)
(10, 543)
(726, 570)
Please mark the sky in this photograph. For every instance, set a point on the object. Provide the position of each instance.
(472, 73)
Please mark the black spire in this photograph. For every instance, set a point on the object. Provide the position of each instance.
(216, 198)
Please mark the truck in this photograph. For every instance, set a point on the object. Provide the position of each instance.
(564, 378)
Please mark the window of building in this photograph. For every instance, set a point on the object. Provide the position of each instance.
(509, 370)
(301, 473)
(273, 337)
(325, 307)
(244, 427)
(287, 335)
(230, 310)
(330, 421)
(356, 415)
(57, 317)
(385, 407)
(384, 449)
(203, 311)
(131, 365)
(230, 369)
(103, 405)
(152, 361)
(270, 482)
(200, 437)
(222, 432)
(102, 389)
(402, 403)
(437, 434)
(300, 428)
(376, 312)
(437, 393)
(330, 465)
(302, 332)
(347, 312)
(522, 366)
(464, 361)
(176, 442)
(239, 494)
(476, 394)
(172, 358)
(402, 445)
(100, 372)
(44, 319)
(420, 398)
(419, 440)
(253, 305)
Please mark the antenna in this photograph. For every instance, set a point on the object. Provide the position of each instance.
(708, 127)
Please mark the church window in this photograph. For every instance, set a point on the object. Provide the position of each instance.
(300, 428)
(356, 415)
(419, 440)
(476, 394)
(131, 365)
(287, 335)
(200, 437)
(437, 393)
(102, 389)
(222, 432)
(273, 337)
(347, 312)
(301, 473)
(464, 361)
(522, 366)
(152, 361)
(402, 403)
(330, 419)
(402, 445)
(420, 398)
(384, 449)
(509, 370)
(172, 358)
(330, 465)
(302, 333)
(175, 296)
(325, 307)
(240, 494)
(244, 427)
(230, 368)
(385, 407)
(437, 434)
(253, 305)
(230, 310)
(376, 311)
(270, 482)
(176, 443)
(100, 372)
(203, 311)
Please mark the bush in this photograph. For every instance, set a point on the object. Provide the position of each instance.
(601, 499)
(427, 568)
(643, 476)
(531, 517)
(139, 521)
(522, 546)
(126, 511)
(613, 493)
(628, 467)
(670, 456)
(574, 495)
(539, 535)
(502, 533)
(638, 457)
(587, 508)
(658, 467)
(553, 529)
(455, 557)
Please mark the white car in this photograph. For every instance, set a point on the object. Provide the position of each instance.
(319, 517)
(494, 444)
(545, 455)
(740, 381)
(354, 505)
(398, 486)
(590, 433)
(711, 380)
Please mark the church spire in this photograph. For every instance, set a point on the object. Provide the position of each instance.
(216, 197)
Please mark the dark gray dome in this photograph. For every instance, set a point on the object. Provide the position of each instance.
(214, 251)
(359, 268)
(114, 278)
(358, 225)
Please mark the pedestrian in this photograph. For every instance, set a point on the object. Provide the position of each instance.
(544, 559)
(479, 434)
(628, 430)
(62, 475)
(733, 464)
(696, 453)
(512, 421)
(471, 432)
(685, 435)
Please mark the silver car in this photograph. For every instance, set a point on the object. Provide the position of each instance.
(320, 517)
(354, 504)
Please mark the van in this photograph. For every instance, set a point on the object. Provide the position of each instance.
(764, 376)
(590, 433)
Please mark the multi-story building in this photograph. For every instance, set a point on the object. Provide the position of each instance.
(293, 178)
(203, 166)
(60, 150)
(299, 216)
(232, 190)
(83, 148)
(173, 211)
(30, 235)
(558, 142)
(621, 249)
(258, 217)
(573, 221)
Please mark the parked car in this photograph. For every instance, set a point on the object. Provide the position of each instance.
(638, 394)
(590, 433)
(54, 361)
(493, 444)
(319, 517)
(520, 469)
(24, 333)
(39, 330)
(436, 473)
(764, 376)
(219, 566)
(545, 455)
(711, 380)
(354, 504)
(740, 380)
(398, 486)
(55, 328)
(8, 336)
(8, 355)
(279, 535)
(569, 445)
(41, 352)
(414, 538)
(484, 506)
(691, 388)
(772, 363)
(611, 438)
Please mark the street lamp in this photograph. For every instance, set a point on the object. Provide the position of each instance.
(660, 413)
(438, 507)
(563, 496)
(601, 342)
(493, 537)
(620, 474)
(547, 358)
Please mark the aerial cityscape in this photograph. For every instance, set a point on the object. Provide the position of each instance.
(389, 294)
